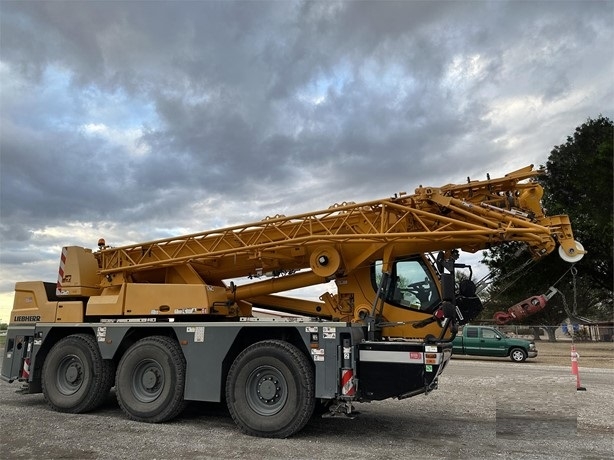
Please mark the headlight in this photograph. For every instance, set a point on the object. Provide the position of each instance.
(531, 346)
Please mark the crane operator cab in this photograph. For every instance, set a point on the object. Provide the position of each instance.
(425, 284)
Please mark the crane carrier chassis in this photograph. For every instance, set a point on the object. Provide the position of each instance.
(167, 322)
(274, 370)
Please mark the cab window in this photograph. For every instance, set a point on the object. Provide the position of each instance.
(471, 332)
(413, 285)
(489, 334)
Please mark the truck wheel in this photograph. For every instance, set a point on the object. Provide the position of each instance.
(150, 380)
(270, 389)
(518, 355)
(75, 378)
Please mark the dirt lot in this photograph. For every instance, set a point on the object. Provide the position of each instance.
(484, 409)
(592, 354)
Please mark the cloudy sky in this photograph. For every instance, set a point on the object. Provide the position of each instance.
(138, 120)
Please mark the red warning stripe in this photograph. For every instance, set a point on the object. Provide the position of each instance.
(347, 382)
(58, 289)
(25, 373)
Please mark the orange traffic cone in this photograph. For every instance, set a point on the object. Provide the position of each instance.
(574, 368)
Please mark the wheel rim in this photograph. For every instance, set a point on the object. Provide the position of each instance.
(147, 380)
(266, 390)
(70, 375)
(518, 355)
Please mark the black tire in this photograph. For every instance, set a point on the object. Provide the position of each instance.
(270, 390)
(518, 355)
(150, 380)
(75, 378)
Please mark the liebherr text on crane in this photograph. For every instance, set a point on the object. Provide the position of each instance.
(161, 322)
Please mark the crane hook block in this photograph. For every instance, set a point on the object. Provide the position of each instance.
(325, 261)
(521, 310)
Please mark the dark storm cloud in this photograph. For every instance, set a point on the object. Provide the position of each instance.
(146, 118)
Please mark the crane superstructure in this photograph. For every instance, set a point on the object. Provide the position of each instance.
(190, 300)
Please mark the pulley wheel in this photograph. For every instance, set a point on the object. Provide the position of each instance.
(325, 261)
(573, 255)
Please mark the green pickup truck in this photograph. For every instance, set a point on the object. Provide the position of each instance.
(489, 341)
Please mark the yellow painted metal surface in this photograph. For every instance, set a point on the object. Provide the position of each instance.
(30, 304)
(70, 311)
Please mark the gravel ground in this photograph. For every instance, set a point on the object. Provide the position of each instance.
(482, 410)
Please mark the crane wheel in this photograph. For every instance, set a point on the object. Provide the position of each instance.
(150, 380)
(75, 378)
(270, 389)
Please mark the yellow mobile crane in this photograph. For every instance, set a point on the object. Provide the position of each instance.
(163, 322)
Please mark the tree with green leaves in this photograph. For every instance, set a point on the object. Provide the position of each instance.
(578, 182)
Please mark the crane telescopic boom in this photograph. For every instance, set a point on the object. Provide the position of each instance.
(311, 248)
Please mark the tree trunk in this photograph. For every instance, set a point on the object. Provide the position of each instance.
(536, 333)
(550, 330)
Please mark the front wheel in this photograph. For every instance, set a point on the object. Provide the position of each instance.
(270, 389)
(150, 380)
(518, 355)
(75, 378)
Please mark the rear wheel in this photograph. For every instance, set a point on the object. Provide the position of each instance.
(150, 380)
(75, 378)
(518, 355)
(270, 389)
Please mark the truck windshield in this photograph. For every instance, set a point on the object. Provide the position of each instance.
(413, 284)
